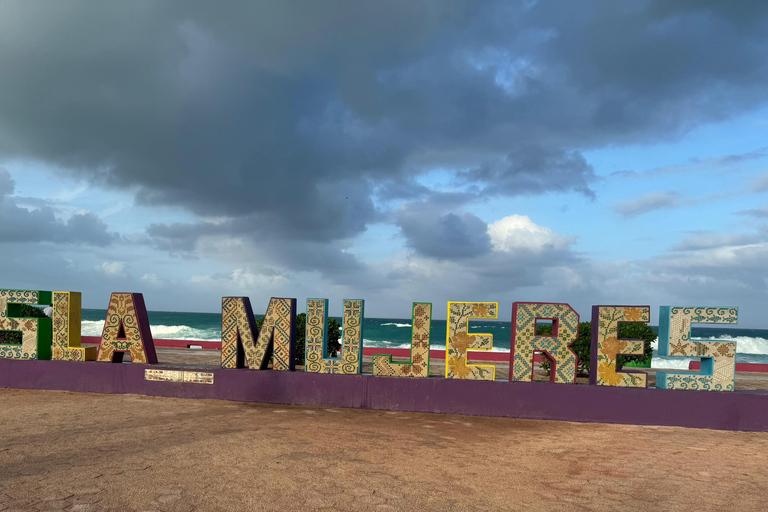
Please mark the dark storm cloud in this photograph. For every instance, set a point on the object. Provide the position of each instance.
(450, 235)
(535, 170)
(178, 238)
(21, 225)
(295, 115)
(216, 239)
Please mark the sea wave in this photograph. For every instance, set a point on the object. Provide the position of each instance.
(184, 332)
(170, 332)
(92, 327)
(673, 363)
(744, 344)
(397, 324)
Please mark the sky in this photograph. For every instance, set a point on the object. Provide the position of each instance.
(596, 152)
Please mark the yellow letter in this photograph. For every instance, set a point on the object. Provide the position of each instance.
(459, 342)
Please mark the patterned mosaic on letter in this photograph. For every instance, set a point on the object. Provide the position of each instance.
(418, 366)
(238, 331)
(718, 363)
(126, 329)
(606, 345)
(240, 346)
(35, 332)
(565, 330)
(351, 360)
(459, 342)
(67, 317)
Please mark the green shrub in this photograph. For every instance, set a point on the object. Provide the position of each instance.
(23, 310)
(334, 335)
(583, 344)
(301, 337)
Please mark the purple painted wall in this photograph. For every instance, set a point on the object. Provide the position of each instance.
(537, 400)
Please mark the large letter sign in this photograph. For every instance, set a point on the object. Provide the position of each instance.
(67, 317)
(270, 343)
(459, 342)
(606, 345)
(240, 344)
(351, 360)
(418, 366)
(35, 332)
(718, 358)
(525, 341)
(126, 329)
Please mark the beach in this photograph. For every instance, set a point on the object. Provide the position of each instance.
(89, 452)
(324, 256)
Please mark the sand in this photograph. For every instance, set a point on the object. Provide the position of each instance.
(70, 451)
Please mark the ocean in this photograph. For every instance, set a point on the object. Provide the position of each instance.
(751, 344)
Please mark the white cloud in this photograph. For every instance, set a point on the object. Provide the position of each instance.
(518, 232)
(752, 255)
(113, 268)
(151, 279)
(242, 280)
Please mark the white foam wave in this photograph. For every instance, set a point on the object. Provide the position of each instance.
(744, 344)
(91, 327)
(184, 332)
(384, 344)
(673, 363)
(397, 325)
(169, 332)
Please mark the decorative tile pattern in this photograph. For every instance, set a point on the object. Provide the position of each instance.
(565, 330)
(459, 342)
(126, 329)
(351, 360)
(178, 376)
(418, 366)
(718, 363)
(606, 345)
(67, 317)
(35, 332)
(238, 330)
(240, 346)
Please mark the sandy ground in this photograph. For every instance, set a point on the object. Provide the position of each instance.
(82, 452)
